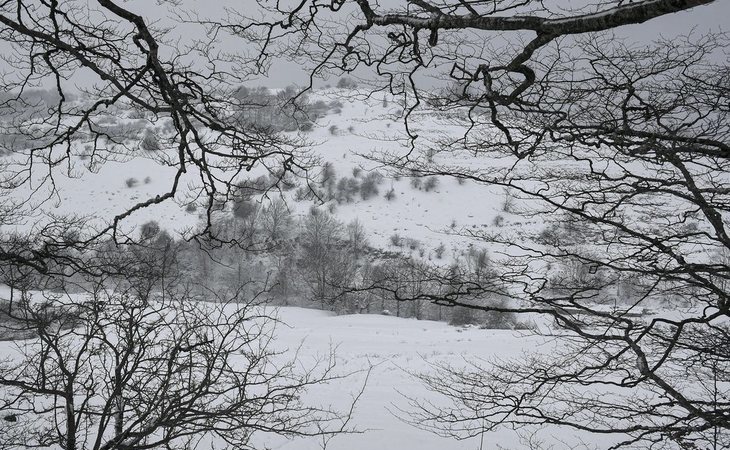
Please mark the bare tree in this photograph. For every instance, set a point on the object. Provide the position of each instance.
(326, 262)
(118, 367)
(277, 220)
(118, 352)
(627, 141)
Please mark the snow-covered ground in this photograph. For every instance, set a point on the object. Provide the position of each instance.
(393, 349)
(380, 355)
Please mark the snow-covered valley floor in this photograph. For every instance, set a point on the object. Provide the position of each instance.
(393, 348)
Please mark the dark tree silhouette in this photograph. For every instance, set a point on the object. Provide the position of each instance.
(113, 350)
(115, 368)
(619, 149)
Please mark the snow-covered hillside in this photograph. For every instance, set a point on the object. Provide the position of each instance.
(422, 215)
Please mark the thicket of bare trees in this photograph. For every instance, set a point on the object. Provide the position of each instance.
(628, 140)
(148, 360)
(115, 345)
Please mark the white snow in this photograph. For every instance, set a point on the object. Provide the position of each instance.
(393, 348)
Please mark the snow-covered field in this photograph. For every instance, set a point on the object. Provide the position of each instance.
(380, 356)
(393, 349)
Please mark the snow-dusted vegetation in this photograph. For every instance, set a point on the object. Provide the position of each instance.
(450, 224)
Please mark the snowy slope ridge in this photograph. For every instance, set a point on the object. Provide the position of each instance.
(429, 219)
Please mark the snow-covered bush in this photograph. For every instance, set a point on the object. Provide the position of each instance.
(430, 184)
(369, 185)
(150, 142)
(346, 83)
(390, 195)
